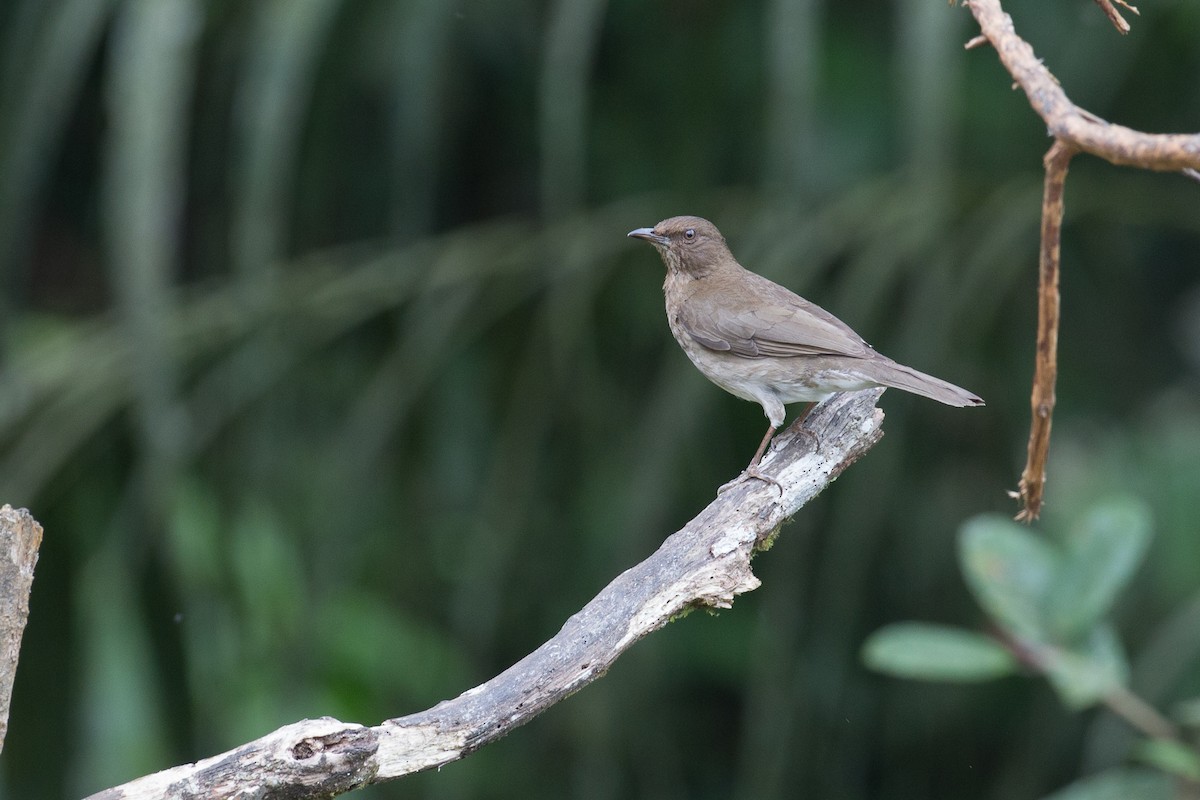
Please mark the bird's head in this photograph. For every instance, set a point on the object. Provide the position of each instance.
(691, 245)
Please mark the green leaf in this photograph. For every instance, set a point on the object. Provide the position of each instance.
(1102, 553)
(1083, 675)
(936, 653)
(1119, 784)
(1010, 571)
(1174, 758)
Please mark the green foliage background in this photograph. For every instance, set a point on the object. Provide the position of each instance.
(329, 370)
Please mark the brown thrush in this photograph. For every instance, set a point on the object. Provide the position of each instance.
(761, 342)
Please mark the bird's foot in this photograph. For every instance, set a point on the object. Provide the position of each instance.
(752, 472)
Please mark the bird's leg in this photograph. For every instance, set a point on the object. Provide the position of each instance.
(762, 448)
(752, 470)
(799, 423)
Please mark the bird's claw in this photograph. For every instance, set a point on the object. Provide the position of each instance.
(752, 472)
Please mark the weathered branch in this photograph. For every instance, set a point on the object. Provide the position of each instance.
(20, 538)
(1074, 130)
(705, 564)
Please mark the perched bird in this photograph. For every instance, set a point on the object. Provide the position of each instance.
(761, 342)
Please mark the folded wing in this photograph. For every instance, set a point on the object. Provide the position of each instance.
(769, 321)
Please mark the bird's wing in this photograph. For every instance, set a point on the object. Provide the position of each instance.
(768, 321)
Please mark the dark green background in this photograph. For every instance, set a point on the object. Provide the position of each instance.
(328, 368)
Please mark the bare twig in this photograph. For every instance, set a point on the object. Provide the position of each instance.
(1163, 152)
(20, 538)
(1074, 130)
(706, 564)
(1114, 16)
(1033, 479)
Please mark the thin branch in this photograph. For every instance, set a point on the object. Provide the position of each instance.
(704, 565)
(1119, 699)
(1074, 130)
(1033, 479)
(1140, 714)
(1114, 16)
(1163, 152)
(20, 538)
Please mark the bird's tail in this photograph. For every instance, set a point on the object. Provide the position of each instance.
(899, 376)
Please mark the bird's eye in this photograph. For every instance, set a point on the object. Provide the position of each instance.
(689, 234)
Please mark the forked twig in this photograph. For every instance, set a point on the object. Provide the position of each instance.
(1074, 130)
(1114, 16)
